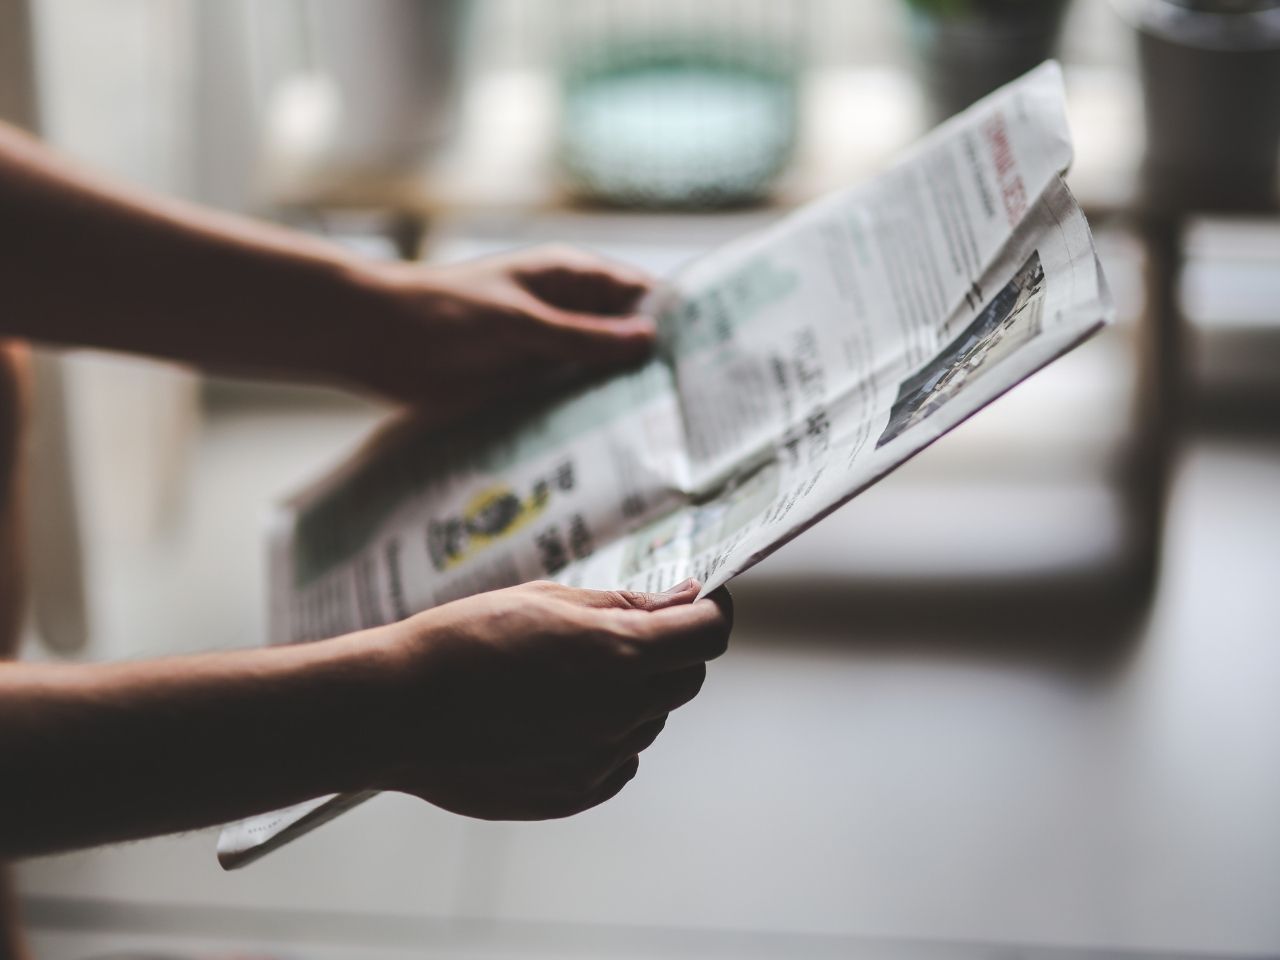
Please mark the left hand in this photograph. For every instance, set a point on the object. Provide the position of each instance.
(456, 338)
(533, 702)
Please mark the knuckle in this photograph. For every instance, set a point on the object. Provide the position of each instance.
(699, 680)
(724, 600)
(626, 644)
(690, 685)
(618, 598)
(618, 623)
(650, 735)
(720, 643)
(628, 650)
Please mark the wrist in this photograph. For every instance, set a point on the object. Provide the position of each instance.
(349, 323)
(376, 325)
(362, 696)
(404, 728)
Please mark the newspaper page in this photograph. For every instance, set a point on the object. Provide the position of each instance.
(795, 368)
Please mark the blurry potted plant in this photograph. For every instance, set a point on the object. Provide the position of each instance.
(967, 48)
(1211, 81)
(676, 105)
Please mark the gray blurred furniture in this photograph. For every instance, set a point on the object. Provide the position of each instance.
(58, 602)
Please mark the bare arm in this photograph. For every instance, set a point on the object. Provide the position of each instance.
(527, 703)
(87, 262)
(98, 753)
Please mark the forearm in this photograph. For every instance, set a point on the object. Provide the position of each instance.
(86, 262)
(12, 944)
(103, 753)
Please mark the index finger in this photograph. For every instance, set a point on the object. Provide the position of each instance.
(683, 636)
(583, 283)
(577, 260)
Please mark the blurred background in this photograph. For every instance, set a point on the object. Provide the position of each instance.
(1022, 700)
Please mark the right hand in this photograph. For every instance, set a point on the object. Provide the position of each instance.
(535, 702)
(459, 337)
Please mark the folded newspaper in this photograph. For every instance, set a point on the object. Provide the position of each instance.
(796, 367)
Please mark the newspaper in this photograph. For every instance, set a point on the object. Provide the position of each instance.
(795, 368)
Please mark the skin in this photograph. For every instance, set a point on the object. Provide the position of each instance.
(13, 400)
(13, 404)
(527, 703)
(84, 262)
(524, 704)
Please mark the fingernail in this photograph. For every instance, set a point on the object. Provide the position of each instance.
(680, 588)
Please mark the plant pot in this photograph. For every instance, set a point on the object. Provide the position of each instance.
(1211, 82)
(692, 111)
(964, 56)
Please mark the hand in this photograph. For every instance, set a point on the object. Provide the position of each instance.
(459, 337)
(535, 702)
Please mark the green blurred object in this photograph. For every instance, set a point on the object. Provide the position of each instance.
(990, 9)
(968, 48)
(676, 112)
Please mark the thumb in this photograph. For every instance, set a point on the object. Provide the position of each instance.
(682, 593)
